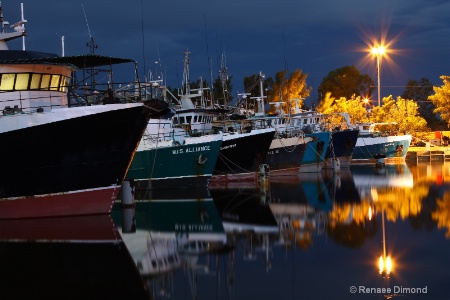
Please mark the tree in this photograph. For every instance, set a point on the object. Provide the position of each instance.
(355, 107)
(401, 111)
(346, 82)
(290, 90)
(441, 99)
(419, 92)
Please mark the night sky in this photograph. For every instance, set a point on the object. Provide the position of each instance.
(267, 36)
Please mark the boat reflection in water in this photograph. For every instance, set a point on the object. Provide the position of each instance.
(300, 206)
(79, 257)
(289, 239)
(164, 232)
(248, 221)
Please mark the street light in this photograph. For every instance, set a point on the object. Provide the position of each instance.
(378, 51)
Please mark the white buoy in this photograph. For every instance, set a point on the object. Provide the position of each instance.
(128, 193)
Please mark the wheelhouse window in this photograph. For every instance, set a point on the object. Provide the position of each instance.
(7, 82)
(45, 83)
(33, 81)
(22, 82)
(54, 82)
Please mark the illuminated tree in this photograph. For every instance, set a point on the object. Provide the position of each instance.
(441, 99)
(355, 107)
(401, 111)
(289, 90)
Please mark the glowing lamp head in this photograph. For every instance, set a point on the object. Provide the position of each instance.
(380, 50)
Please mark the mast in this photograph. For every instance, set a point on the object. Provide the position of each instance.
(19, 30)
(186, 84)
(22, 26)
(260, 99)
(224, 79)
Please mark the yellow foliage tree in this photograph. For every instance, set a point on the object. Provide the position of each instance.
(401, 111)
(355, 107)
(441, 99)
(290, 91)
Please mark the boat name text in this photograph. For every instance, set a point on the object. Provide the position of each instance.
(228, 147)
(191, 150)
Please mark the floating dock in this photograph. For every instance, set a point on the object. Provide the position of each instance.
(428, 156)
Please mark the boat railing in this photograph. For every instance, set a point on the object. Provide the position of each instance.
(166, 136)
(31, 101)
(19, 102)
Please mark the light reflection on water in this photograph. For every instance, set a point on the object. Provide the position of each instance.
(312, 237)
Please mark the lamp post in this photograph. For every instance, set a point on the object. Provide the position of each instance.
(367, 107)
(378, 51)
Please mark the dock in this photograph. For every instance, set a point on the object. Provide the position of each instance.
(421, 154)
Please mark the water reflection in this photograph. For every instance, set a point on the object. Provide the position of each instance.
(310, 236)
(66, 258)
(164, 232)
(307, 237)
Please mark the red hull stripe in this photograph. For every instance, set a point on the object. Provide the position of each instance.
(70, 204)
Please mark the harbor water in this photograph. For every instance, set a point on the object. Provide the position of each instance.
(365, 233)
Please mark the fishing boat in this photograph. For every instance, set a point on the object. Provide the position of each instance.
(380, 141)
(59, 155)
(341, 148)
(169, 158)
(244, 146)
(288, 147)
(243, 151)
(314, 143)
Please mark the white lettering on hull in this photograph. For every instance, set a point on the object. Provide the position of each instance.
(191, 150)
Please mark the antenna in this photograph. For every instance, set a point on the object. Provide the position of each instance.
(92, 46)
(143, 35)
(224, 78)
(209, 61)
(85, 17)
(19, 26)
(62, 46)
